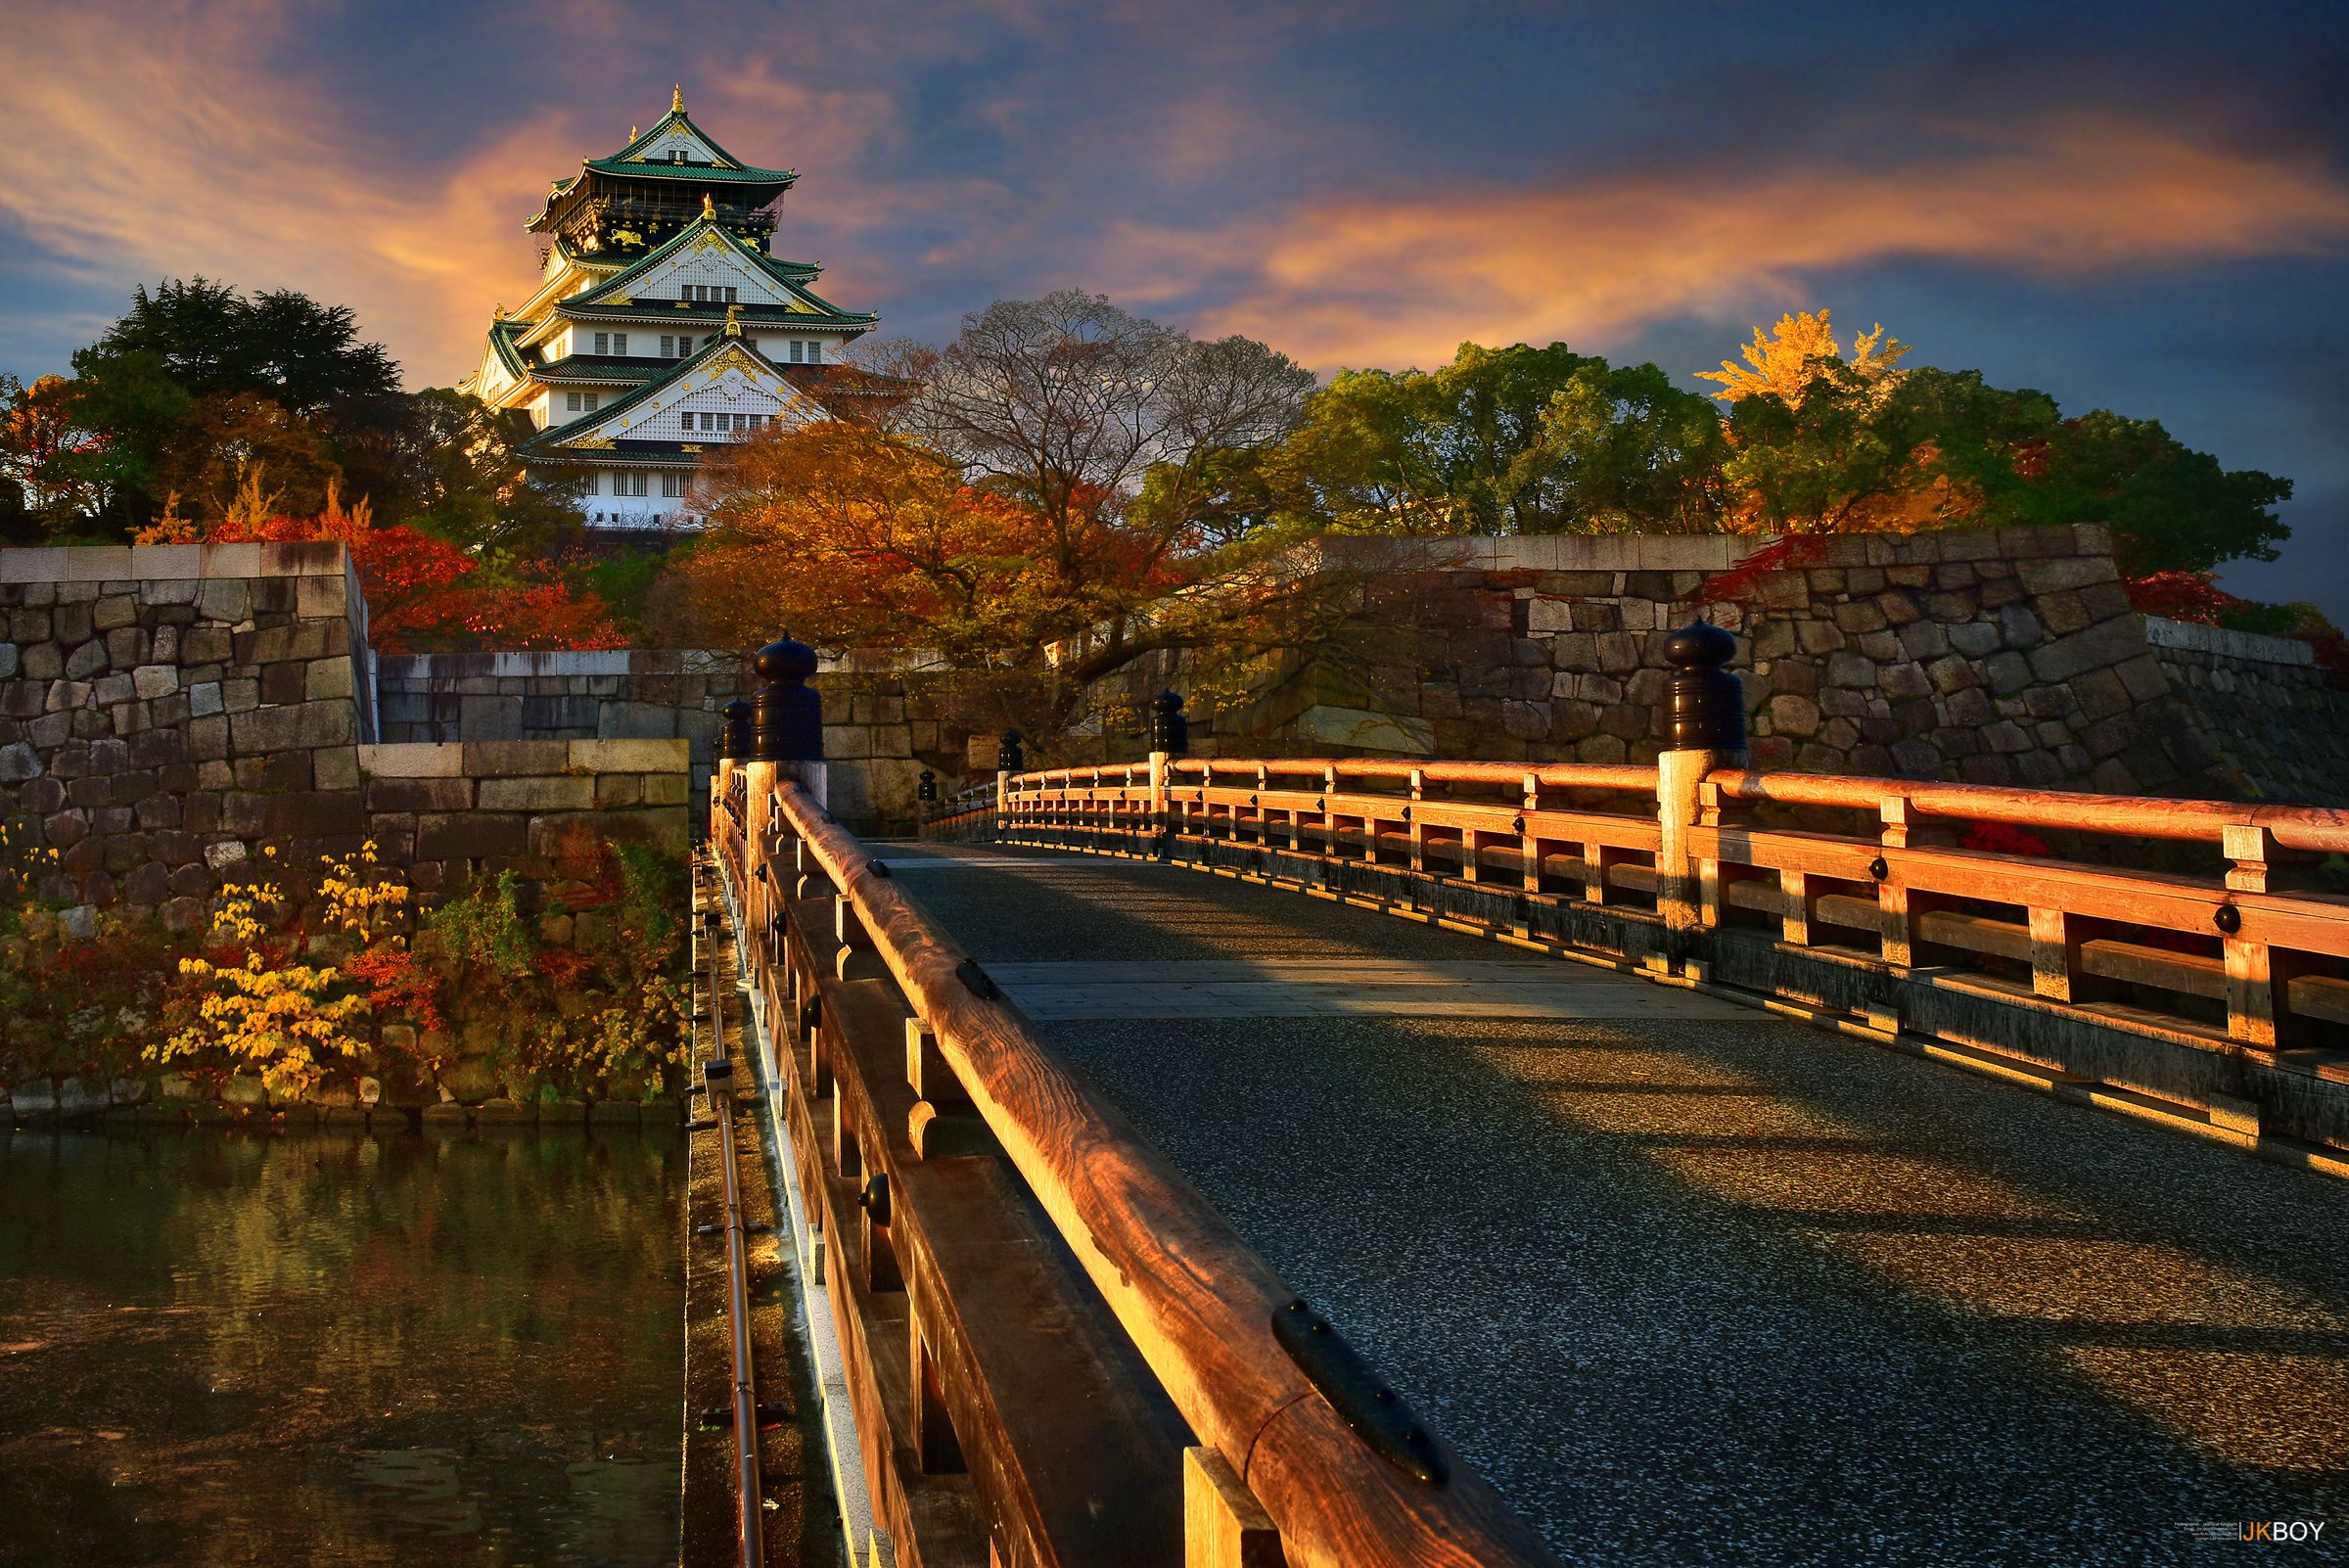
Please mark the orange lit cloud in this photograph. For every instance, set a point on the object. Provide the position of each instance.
(1402, 281)
(158, 143)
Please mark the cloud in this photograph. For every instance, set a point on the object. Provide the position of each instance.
(1401, 280)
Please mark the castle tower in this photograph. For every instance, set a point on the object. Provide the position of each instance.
(660, 326)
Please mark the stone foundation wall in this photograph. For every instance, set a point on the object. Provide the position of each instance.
(880, 731)
(2004, 655)
(450, 812)
(2279, 722)
(162, 706)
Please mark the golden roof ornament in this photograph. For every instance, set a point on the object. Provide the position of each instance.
(733, 322)
(677, 98)
(634, 133)
(709, 207)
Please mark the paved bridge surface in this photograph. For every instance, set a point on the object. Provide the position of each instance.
(1691, 1283)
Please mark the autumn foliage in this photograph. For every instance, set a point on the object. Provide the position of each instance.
(423, 592)
(853, 537)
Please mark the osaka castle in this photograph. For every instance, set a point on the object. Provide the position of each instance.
(660, 327)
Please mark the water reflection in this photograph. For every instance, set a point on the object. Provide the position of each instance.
(340, 1349)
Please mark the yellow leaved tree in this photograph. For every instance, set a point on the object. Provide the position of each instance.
(1780, 363)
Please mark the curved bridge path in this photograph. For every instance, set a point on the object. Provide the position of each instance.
(1690, 1282)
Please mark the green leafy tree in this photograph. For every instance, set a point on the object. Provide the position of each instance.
(1936, 449)
(1622, 451)
(2170, 508)
(286, 346)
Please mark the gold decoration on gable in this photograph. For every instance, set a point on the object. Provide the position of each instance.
(590, 443)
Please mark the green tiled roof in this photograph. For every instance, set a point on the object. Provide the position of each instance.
(623, 163)
(603, 368)
(791, 275)
(701, 173)
(502, 339)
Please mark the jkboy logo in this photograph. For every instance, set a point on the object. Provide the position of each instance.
(2262, 1532)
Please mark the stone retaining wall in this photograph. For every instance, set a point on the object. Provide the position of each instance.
(879, 729)
(449, 812)
(2279, 722)
(2006, 655)
(162, 706)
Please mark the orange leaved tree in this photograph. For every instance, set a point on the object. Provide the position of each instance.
(423, 594)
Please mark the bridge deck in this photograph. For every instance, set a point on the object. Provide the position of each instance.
(1691, 1283)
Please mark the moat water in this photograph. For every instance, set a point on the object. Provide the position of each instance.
(411, 1349)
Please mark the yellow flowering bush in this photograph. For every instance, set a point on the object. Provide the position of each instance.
(258, 1005)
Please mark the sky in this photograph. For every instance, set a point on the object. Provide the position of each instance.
(2136, 207)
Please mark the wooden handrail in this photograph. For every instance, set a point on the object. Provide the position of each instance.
(1555, 775)
(2294, 827)
(1196, 1300)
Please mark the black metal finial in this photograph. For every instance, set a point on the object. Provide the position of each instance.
(927, 790)
(1169, 732)
(1009, 757)
(1705, 702)
(736, 745)
(787, 718)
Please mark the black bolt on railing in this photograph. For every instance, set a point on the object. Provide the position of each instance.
(927, 790)
(787, 718)
(737, 742)
(1169, 732)
(1009, 757)
(1706, 703)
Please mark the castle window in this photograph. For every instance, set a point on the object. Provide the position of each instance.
(815, 353)
(571, 401)
(591, 397)
(620, 342)
(673, 487)
(634, 484)
(603, 343)
(668, 347)
(730, 296)
(795, 350)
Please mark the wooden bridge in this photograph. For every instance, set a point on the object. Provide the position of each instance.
(1154, 1215)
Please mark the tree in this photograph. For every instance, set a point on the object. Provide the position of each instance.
(279, 345)
(1783, 364)
(47, 449)
(451, 465)
(857, 537)
(1500, 440)
(423, 593)
(1068, 402)
(1856, 455)
(2170, 508)
(1624, 451)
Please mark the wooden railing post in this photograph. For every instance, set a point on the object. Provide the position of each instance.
(1223, 1526)
(1705, 722)
(1008, 760)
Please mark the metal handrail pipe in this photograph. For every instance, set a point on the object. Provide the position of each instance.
(750, 1515)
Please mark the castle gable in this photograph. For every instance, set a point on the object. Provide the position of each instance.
(705, 257)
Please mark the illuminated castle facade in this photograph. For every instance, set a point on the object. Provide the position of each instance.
(660, 326)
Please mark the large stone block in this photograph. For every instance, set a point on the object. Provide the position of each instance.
(412, 760)
(471, 836)
(559, 793)
(409, 793)
(301, 727)
(626, 755)
(516, 759)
